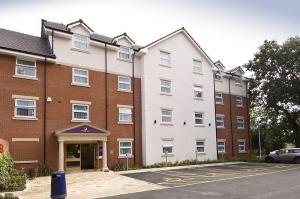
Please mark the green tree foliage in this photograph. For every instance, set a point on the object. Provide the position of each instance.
(275, 88)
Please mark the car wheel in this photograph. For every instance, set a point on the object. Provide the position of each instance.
(297, 160)
(269, 160)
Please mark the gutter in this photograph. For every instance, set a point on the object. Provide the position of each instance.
(30, 53)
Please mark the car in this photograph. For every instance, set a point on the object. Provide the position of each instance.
(284, 155)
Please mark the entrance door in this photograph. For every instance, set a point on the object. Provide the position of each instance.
(87, 156)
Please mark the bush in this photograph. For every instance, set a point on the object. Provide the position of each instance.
(10, 178)
(43, 170)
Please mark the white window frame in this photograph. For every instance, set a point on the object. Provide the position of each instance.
(81, 111)
(224, 146)
(244, 145)
(217, 97)
(169, 144)
(165, 86)
(237, 122)
(238, 81)
(219, 75)
(239, 103)
(198, 118)
(82, 42)
(125, 147)
(79, 75)
(120, 112)
(167, 58)
(220, 116)
(200, 145)
(25, 66)
(199, 67)
(125, 52)
(25, 107)
(168, 116)
(124, 82)
(200, 90)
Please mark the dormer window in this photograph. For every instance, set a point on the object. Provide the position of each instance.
(218, 76)
(124, 53)
(238, 81)
(80, 42)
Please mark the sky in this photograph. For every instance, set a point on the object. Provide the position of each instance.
(227, 30)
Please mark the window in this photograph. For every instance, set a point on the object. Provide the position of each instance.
(238, 81)
(165, 58)
(124, 83)
(25, 68)
(198, 92)
(198, 118)
(125, 114)
(167, 147)
(80, 76)
(200, 146)
(125, 147)
(165, 86)
(240, 122)
(221, 146)
(242, 146)
(124, 53)
(220, 121)
(218, 76)
(80, 112)
(25, 108)
(219, 98)
(166, 116)
(239, 101)
(80, 42)
(197, 66)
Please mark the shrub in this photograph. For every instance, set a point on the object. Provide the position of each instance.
(10, 178)
(43, 170)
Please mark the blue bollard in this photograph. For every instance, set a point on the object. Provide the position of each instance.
(58, 185)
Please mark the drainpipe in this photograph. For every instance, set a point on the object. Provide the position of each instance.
(105, 77)
(52, 43)
(45, 107)
(215, 113)
(232, 146)
(248, 116)
(133, 109)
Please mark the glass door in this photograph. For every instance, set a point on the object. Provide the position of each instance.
(73, 160)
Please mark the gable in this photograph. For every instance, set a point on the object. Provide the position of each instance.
(124, 42)
(81, 30)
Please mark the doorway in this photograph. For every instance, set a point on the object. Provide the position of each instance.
(87, 156)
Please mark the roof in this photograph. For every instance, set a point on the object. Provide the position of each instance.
(24, 43)
(235, 69)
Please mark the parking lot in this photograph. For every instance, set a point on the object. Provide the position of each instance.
(244, 180)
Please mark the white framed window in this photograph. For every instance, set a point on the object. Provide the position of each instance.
(124, 83)
(240, 122)
(25, 108)
(220, 121)
(165, 58)
(219, 98)
(242, 146)
(125, 114)
(165, 86)
(197, 66)
(125, 148)
(221, 146)
(239, 101)
(166, 116)
(124, 53)
(238, 81)
(218, 76)
(80, 112)
(198, 118)
(167, 147)
(200, 146)
(80, 42)
(80, 76)
(198, 92)
(25, 68)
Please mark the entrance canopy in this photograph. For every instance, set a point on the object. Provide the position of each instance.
(82, 133)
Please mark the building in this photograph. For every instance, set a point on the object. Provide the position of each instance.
(73, 99)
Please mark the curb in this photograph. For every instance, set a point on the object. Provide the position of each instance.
(177, 167)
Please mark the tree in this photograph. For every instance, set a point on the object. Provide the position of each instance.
(275, 85)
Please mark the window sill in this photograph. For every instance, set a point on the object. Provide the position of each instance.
(201, 153)
(242, 152)
(166, 94)
(124, 157)
(199, 125)
(197, 98)
(124, 60)
(82, 121)
(221, 152)
(25, 118)
(218, 80)
(239, 85)
(82, 85)
(220, 127)
(166, 124)
(219, 103)
(168, 66)
(240, 128)
(169, 155)
(125, 122)
(24, 77)
(197, 73)
(125, 91)
(239, 106)
(80, 50)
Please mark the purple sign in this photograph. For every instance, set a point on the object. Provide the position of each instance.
(83, 129)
